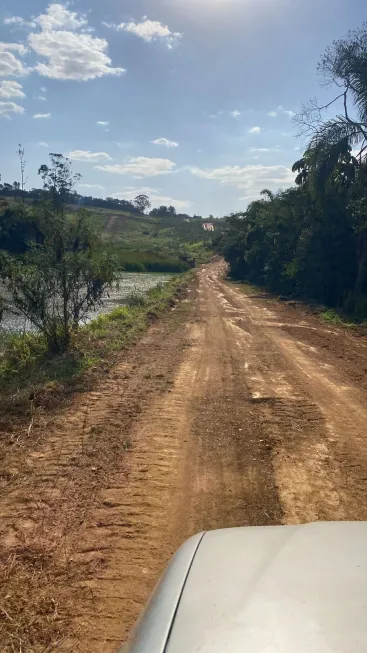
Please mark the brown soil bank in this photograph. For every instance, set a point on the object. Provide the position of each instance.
(234, 410)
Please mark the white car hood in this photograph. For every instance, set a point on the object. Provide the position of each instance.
(279, 589)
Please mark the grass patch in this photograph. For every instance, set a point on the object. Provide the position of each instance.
(143, 261)
(29, 378)
(333, 317)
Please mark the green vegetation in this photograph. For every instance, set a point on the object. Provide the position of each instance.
(56, 262)
(163, 241)
(331, 316)
(62, 273)
(143, 261)
(159, 243)
(30, 376)
(311, 240)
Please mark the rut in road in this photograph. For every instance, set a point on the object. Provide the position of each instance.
(259, 420)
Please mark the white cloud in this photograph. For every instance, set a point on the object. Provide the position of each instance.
(88, 157)
(149, 30)
(41, 116)
(78, 57)
(10, 89)
(15, 47)
(91, 186)
(224, 112)
(249, 197)
(251, 178)
(264, 149)
(69, 53)
(165, 141)
(43, 144)
(254, 130)
(287, 112)
(18, 21)
(141, 166)
(103, 123)
(133, 191)
(72, 56)
(40, 97)
(155, 195)
(281, 110)
(59, 17)
(9, 64)
(7, 108)
(170, 201)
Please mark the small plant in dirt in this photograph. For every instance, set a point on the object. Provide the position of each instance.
(330, 315)
(63, 274)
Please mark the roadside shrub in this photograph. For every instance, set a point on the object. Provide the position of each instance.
(62, 275)
(21, 351)
(136, 299)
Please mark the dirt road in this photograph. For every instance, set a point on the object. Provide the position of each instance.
(237, 410)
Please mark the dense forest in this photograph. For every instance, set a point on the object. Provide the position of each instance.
(311, 240)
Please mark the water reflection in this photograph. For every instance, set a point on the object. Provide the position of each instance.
(129, 282)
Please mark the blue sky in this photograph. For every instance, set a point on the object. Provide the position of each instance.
(190, 101)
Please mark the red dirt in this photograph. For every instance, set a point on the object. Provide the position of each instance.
(234, 410)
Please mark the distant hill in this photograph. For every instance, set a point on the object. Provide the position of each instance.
(167, 242)
(154, 238)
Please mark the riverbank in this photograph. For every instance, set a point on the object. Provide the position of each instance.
(128, 284)
(30, 380)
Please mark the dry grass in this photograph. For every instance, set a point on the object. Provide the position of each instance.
(35, 578)
(37, 555)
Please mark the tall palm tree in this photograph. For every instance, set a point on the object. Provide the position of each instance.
(268, 194)
(337, 152)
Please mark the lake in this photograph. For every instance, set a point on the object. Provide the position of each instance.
(129, 283)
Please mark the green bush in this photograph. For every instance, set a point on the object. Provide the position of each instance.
(136, 299)
(22, 350)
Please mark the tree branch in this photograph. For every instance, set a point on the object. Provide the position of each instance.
(326, 106)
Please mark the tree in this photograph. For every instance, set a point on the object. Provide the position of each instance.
(23, 179)
(337, 153)
(58, 181)
(58, 280)
(164, 212)
(344, 65)
(142, 203)
(268, 194)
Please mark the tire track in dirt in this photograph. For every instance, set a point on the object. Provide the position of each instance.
(57, 484)
(312, 411)
(197, 462)
(148, 514)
